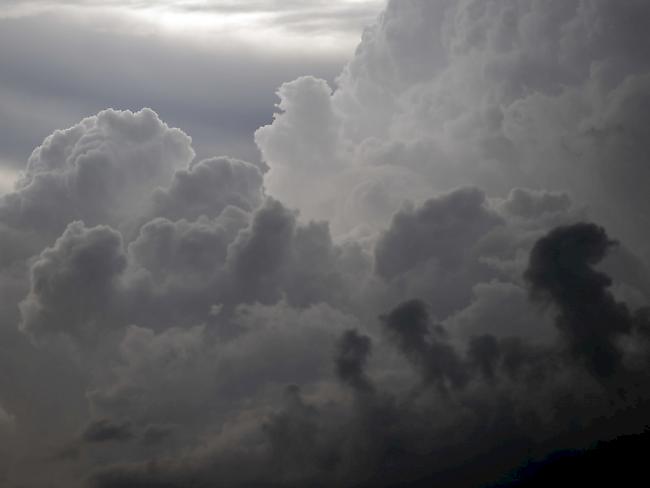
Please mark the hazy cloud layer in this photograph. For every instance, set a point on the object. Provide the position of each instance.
(437, 271)
(83, 61)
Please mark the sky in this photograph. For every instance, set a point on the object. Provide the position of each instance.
(354, 243)
(216, 64)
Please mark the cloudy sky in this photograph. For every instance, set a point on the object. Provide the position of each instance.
(309, 243)
(211, 67)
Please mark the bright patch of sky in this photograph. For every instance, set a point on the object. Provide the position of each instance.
(287, 25)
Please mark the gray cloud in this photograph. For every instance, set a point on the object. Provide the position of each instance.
(354, 350)
(99, 170)
(438, 230)
(207, 187)
(407, 290)
(561, 270)
(424, 345)
(79, 66)
(105, 430)
(73, 284)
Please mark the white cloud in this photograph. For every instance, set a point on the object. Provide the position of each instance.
(497, 94)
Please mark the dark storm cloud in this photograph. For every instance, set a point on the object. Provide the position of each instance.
(425, 345)
(561, 270)
(441, 249)
(106, 430)
(171, 320)
(353, 353)
(514, 401)
(73, 284)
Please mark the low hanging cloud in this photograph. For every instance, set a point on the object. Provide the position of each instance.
(433, 276)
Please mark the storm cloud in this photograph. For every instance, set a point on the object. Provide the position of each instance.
(436, 271)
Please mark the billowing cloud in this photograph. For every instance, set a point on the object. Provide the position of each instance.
(561, 269)
(100, 171)
(497, 94)
(209, 186)
(73, 284)
(436, 273)
(439, 231)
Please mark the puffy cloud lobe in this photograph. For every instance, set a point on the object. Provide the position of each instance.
(424, 345)
(207, 187)
(484, 352)
(298, 146)
(504, 394)
(260, 253)
(441, 249)
(156, 434)
(100, 171)
(616, 145)
(444, 229)
(297, 440)
(182, 253)
(306, 108)
(497, 94)
(169, 377)
(6, 419)
(277, 257)
(561, 269)
(371, 195)
(461, 252)
(73, 284)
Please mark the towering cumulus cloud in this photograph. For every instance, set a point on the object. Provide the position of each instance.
(437, 273)
(493, 93)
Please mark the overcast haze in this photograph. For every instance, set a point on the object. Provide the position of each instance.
(352, 243)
